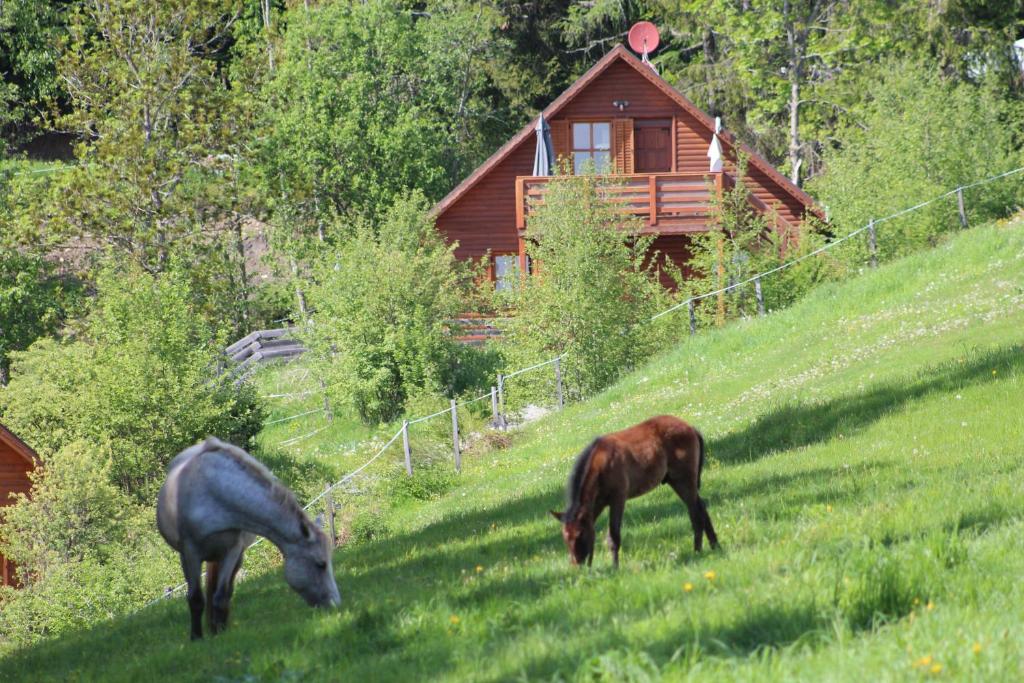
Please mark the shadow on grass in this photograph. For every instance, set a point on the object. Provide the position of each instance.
(797, 425)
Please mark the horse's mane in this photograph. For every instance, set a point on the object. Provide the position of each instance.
(251, 466)
(576, 479)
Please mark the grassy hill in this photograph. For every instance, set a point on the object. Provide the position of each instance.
(866, 455)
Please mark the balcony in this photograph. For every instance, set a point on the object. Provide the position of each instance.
(669, 203)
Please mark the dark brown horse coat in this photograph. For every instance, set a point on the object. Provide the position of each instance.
(627, 464)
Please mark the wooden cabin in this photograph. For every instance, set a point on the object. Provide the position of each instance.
(16, 461)
(627, 120)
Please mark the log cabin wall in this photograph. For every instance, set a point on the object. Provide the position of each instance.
(15, 466)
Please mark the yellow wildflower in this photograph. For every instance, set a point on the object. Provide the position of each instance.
(930, 606)
(976, 648)
(828, 508)
(936, 668)
(687, 587)
(924, 661)
(454, 619)
(479, 568)
(710, 575)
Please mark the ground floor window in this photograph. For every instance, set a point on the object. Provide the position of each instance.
(506, 270)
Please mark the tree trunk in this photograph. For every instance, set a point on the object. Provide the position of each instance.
(795, 43)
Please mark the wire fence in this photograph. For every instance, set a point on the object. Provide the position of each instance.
(499, 419)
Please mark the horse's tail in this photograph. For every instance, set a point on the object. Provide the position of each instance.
(212, 569)
(700, 461)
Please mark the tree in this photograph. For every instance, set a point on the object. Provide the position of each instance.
(919, 137)
(32, 304)
(384, 300)
(140, 382)
(593, 293)
(30, 34)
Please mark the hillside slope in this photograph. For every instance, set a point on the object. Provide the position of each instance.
(866, 449)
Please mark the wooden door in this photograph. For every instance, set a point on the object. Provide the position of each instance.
(653, 144)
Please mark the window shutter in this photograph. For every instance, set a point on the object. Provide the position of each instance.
(622, 143)
(560, 138)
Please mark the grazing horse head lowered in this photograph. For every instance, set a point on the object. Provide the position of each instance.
(217, 498)
(627, 464)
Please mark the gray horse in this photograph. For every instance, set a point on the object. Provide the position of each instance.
(216, 499)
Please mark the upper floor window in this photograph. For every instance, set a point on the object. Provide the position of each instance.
(591, 144)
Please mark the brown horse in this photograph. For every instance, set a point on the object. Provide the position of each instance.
(627, 464)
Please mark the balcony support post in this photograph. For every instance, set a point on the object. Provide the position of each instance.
(652, 193)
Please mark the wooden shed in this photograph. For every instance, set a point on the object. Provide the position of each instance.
(652, 142)
(17, 459)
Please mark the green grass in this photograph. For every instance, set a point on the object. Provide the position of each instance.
(865, 480)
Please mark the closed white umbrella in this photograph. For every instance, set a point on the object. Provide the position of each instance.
(715, 150)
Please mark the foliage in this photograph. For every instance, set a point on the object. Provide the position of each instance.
(751, 242)
(140, 382)
(410, 110)
(591, 295)
(384, 300)
(32, 302)
(84, 549)
(30, 31)
(920, 137)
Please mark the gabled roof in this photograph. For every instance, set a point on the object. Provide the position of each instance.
(18, 446)
(620, 53)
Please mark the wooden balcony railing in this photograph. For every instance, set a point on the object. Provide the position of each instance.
(668, 202)
(656, 197)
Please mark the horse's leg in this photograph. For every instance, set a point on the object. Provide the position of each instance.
(615, 511)
(688, 494)
(708, 528)
(192, 565)
(212, 572)
(225, 586)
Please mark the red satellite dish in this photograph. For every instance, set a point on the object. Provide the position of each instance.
(644, 36)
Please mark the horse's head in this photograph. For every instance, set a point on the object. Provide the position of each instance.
(307, 566)
(578, 534)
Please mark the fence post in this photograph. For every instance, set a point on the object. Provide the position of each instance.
(501, 402)
(494, 407)
(455, 437)
(960, 207)
(872, 244)
(558, 382)
(330, 513)
(759, 296)
(327, 403)
(693, 316)
(405, 447)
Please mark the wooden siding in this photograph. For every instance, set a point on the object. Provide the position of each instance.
(485, 219)
(14, 479)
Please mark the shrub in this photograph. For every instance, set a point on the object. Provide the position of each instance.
(747, 243)
(384, 301)
(591, 296)
(139, 383)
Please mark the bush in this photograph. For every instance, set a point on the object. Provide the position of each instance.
(384, 301)
(590, 298)
(919, 136)
(140, 382)
(85, 550)
(746, 244)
